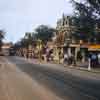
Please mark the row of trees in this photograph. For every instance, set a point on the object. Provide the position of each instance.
(42, 32)
(86, 21)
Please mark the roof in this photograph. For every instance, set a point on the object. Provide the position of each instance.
(7, 45)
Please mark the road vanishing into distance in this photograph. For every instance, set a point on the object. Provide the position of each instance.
(22, 79)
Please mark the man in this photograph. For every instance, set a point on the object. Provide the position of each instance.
(99, 58)
(66, 58)
(93, 60)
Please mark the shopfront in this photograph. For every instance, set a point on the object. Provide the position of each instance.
(94, 52)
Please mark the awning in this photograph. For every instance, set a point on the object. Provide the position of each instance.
(95, 47)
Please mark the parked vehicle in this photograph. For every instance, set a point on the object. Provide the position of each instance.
(11, 52)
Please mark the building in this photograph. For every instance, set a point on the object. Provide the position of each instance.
(65, 41)
(65, 28)
(6, 48)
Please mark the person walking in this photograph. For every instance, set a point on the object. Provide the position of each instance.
(70, 59)
(99, 59)
(66, 58)
(93, 60)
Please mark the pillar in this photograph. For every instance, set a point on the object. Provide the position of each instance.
(76, 51)
(83, 55)
(69, 51)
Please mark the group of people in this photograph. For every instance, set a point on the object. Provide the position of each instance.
(69, 59)
(60, 57)
(94, 59)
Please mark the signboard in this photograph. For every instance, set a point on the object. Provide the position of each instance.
(94, 48)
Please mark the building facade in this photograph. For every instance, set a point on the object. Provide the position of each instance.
(6, 48)
(65, 28)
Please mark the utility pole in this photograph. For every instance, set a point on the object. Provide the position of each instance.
(89, 64)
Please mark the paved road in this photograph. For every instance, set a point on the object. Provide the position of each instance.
(17, 85)
(63, 84)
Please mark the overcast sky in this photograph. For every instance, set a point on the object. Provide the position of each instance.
(20, 16)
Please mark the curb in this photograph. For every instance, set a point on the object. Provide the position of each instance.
(77, 68)
(71, 67)
(84, 69)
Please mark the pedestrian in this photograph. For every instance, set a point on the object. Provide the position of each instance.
(70, 59)
(99, 58)
(79, 56)
(73, 62)
(93, 60)
(66, 58)
(52, 56)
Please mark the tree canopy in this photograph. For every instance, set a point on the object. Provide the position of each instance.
(91, 7)
(44, 32)
(87, 13)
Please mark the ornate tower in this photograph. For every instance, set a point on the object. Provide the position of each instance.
(65, 28)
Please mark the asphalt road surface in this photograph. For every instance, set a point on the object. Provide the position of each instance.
(30, 81)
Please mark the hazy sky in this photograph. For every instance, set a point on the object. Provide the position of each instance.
(20, 16)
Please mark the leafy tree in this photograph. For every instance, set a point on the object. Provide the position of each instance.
(86, 19)
(44, 32)
(2, 34)
(26, 40)
(29, 38)
(95, 5)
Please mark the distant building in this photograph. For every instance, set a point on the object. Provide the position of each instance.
(6, 47)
